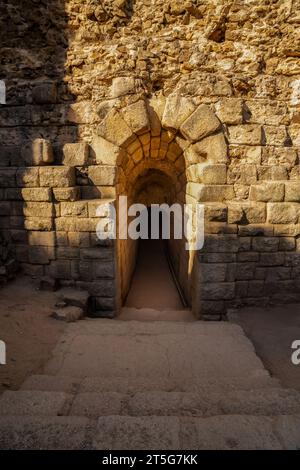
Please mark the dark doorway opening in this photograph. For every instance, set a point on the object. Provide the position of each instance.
(153, 284)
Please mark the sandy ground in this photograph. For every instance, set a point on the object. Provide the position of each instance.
(28, 331)
(272, 330)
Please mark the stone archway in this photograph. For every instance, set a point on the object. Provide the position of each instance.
(179, 140)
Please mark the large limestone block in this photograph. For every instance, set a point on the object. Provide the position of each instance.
(114, 129)
(267, 192)
(211, 193)
(177, 109)
(36, 194)
(33, 403)
(282, 213)
(42, 238)
(200, 124)
(38, 223)
(151, 432)
(213, 173)
(136, 117)
(74, 209)
(292, 191)
(105, 152)
(265, 244)
(57, 177)
(294, 132)
(230, 110)
(103, 175)
(66, 194)
(38, 152)
(250, 212)
(218, 291)
(28, 177)
(244, 174)
(76, 154)
(212, 148)
(275, 135)
(246, 134)
(39, 209)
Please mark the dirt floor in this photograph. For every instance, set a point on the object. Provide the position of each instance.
(27, 329)
(152, 284)
(272, 331)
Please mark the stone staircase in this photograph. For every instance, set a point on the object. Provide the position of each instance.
(114, 384)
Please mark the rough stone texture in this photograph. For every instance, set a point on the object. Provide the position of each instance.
(209, 399)
(68, 314)
(33, 403)
(36, 433)
(120, 89)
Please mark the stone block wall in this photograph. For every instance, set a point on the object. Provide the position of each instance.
(76, 73)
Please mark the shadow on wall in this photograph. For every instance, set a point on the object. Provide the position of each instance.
(33, 129)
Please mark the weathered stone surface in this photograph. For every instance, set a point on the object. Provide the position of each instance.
(36, 209)
(36, 194)
(201, 123)
(249, 134)
(75, 154)
(284, 213)
(230, 110)
(57, 177)
(28, 177)
(122, 86)
(212, 148)
(74, 298)
(267, 192)
(252, 213)
(34, 403)
(136, 117)
(292, 191)
(66, 194)
(105, 152)
(213, 174)
(103, 175)
(212, 193)
(176, 110)
(114, 129)
(68, 314)
(36, 433)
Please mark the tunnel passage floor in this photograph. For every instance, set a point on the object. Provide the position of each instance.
(152, 285)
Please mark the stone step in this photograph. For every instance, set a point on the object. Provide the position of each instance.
(150, 432)
(267, 402)
(46, 432)
(127, 385)
(35, 403)
(177, 351)
(259, 402)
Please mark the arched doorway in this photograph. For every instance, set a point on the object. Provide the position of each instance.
(164, 150)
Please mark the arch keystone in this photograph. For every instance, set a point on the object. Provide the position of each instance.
(178, 108)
